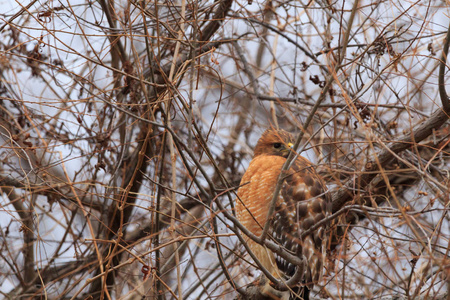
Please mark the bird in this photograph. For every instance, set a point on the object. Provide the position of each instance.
(303, 201)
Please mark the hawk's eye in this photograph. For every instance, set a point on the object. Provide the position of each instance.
(277, 145)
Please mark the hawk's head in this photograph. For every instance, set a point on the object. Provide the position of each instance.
(274, 142)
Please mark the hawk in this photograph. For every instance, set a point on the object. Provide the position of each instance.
(302, 202)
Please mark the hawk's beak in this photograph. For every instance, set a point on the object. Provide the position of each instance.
(288, 149)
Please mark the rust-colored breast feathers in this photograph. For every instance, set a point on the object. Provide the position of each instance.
(258, 185)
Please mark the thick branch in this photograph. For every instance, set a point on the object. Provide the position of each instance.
(121, 211)
(417, 134)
